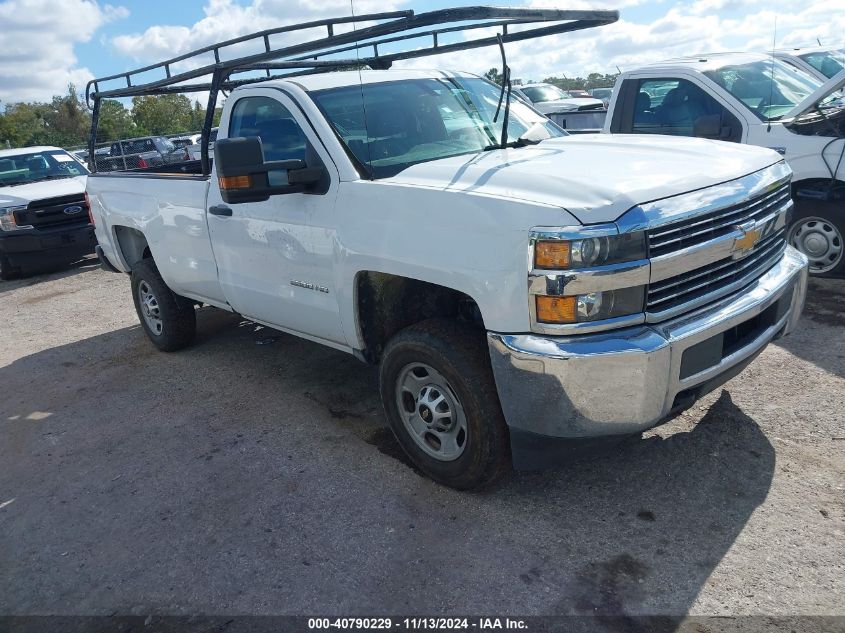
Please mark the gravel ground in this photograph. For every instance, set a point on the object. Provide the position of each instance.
(253, 474)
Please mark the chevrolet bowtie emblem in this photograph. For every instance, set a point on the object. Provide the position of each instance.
(750, 237)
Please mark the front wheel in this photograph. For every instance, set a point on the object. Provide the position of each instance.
(818, 231)
(169, 320)
(440, 399)
(7, 271)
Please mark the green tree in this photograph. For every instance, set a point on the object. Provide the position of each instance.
(67, 119)
(598, 80)
(24, 124)
(115, 122)
(165, 114)
(494, 75)
(197, 116)
(593, 80)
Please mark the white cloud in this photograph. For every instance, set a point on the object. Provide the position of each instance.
(683, 28)
(673, 28)
(225, 19)
(37, 39)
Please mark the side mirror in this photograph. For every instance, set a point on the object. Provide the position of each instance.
(244, 175)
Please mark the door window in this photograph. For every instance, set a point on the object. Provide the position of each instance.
(280, 134)
(680, 108)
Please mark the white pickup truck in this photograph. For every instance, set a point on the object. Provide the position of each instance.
(756, 100)
(519, 299)
(44, 218)
(821, 62)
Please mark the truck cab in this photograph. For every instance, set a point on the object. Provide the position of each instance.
(755, 100)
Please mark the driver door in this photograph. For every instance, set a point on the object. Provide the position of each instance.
(276, 258)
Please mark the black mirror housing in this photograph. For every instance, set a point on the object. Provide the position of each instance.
(242, 172)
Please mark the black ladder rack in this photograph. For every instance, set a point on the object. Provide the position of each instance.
(311, 56)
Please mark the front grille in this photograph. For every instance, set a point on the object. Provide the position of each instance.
(710, 280)
(50, 212)
(679, 235)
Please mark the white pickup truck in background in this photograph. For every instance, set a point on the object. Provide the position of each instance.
(821, 62)
(577, 115)
(753, 99)
(44, 218)
(553, 291)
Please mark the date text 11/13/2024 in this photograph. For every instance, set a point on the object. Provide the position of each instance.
(418, 624)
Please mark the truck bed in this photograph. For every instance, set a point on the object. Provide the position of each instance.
(168, 210)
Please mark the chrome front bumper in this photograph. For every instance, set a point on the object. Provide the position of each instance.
(625, 381)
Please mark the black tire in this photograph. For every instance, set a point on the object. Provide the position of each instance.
(176, 324)
(7, 271)
(825, 219)
(459, 353)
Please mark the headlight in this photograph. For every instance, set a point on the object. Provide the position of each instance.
(593, 306)
(7, 219)
(589, 251)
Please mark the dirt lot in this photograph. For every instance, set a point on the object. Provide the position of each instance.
(253, 474)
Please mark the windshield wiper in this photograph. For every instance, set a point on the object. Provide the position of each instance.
(504, 95)
(520, 142)
(13, 183)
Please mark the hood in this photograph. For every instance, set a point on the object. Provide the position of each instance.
(19, 195)
(822, 92)
(595, 177)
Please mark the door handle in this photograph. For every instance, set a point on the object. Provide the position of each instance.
(221, 210)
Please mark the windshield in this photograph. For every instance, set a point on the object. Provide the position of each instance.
(769, 88)
(17, 169)
(602, 93)
(828, 63)
(412, 121)
(539, 94)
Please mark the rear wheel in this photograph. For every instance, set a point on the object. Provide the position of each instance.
(818, 231)
(440, 398)
(168, 320)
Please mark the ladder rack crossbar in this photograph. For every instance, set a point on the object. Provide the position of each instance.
(406, 24)
(309, 57)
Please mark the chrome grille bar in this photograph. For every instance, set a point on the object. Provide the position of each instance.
(684, 234)
(699, 286)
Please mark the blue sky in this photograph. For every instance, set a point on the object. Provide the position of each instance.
(79, 39)
(142, 15)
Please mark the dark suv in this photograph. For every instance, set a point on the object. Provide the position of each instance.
(141, 153)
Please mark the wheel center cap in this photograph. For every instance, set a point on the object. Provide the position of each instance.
(425, 413)
(816, 244)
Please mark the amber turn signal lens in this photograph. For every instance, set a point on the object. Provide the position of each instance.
(556, 309)
(551, 255)
(235, 182)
